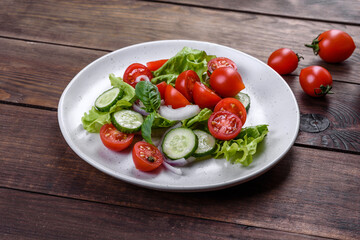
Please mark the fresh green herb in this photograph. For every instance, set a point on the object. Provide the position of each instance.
(149, 95)
(201, 117)
(161, 122)
(242, 149)
(146, 127)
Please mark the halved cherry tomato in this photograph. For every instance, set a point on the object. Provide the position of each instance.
(135, 73)
(161, 87)
(315, 81)
(185, 83)
(204, 97)
(226, 82)
(114, 139)
(224, 125)
(155, 65)
(220, 62)
(174, 98)
(146, 156)
(284, 61)
(333, 46)
(234, 106)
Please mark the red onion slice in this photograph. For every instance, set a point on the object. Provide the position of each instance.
(180, 113)
(137, 108)
(175, 170)
(142, 78)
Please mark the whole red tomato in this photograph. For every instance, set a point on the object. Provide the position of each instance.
(315, 81)
(333, 46)
(226, 82)
(284, 61)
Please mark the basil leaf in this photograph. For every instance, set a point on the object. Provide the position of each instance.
(149, 95)
(146, 127)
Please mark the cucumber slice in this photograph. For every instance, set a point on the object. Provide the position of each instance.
(108, 98)
(179, 143)
(207, 143)
(127, 121)
(244, 99)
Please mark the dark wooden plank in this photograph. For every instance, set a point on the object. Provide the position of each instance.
(312, 192)
(346, 11)
(122, 23)
(340, 109)
(36, 74)
(34, 216)
(29, 79)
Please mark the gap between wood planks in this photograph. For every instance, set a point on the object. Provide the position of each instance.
(253, 12)
(156, 211)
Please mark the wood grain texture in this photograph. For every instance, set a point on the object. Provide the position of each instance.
(35, 216)
(123, 23)
(346, 11)
(36, 74)
(308, 192)
(341, 109)
(29, 79)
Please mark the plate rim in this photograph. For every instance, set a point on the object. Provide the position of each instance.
(164, 187)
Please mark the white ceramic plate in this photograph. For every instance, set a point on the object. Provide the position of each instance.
(272, 103)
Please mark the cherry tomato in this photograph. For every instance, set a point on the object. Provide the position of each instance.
(224, 125)
(220, 62)
(155, 65)
(234, 106)
(333, 46)
(204, 97)
(284, 61)
(185, 83)
(174, 98)
(137, 72)
(114, 139)
(146, 156)
(315, 81)
(226, 82)
(161, 87)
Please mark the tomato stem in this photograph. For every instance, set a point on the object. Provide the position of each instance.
(323, 90)
(314, 45)
(299, 57)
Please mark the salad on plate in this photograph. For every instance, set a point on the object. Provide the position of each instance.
(195, 100)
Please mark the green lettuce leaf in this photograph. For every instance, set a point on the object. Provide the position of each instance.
(129, 91)
(200, 118)
(241, 149)
(186, 59)
(93, 120)
(161, 122)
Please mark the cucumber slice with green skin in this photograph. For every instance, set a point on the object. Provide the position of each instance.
(206, 144)
(244, 99)
(179, 143)
(127, 121)
(108, 98)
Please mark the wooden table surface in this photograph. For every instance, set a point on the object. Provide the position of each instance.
(48, 192)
